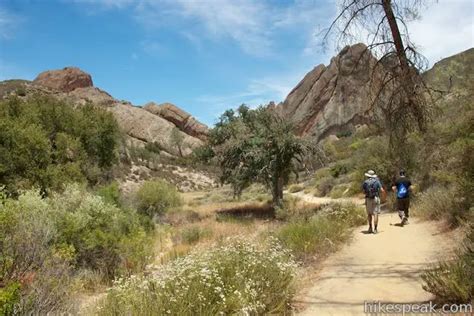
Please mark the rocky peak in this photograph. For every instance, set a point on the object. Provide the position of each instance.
(332, 98)
(64, 80)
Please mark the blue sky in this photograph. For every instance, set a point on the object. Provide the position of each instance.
(204, 56)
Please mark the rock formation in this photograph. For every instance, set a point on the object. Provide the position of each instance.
(153, 124)
(64, 80)
(332, 98)
(183, 120)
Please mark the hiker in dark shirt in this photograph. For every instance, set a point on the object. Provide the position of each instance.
(401, 187)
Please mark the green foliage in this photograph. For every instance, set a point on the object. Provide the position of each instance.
(203, 154)
(338, 191)
(110, 193)
(453, 281)
(153, 147)
(45, 142)
(9, 298)
(255, 146)
(322, 233)
(295, 188)
(239, 278)
(339, 169)
(74, 226)
(156, 197)
(193, 234)
(177, 140)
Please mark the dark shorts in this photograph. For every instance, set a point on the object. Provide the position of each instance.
(403, 204)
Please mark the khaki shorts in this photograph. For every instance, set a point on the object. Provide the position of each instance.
(372, 206)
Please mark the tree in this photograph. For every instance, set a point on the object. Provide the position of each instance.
(45, 143)
(177, 140)
(398, 92)
(256, 146)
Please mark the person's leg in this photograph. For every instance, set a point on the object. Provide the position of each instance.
(376, 221)
(407, 207)
(370, 206)
(401, 212)
(376, 213)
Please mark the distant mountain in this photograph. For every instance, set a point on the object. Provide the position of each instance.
(142, 125)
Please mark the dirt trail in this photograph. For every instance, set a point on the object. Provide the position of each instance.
(384, 267)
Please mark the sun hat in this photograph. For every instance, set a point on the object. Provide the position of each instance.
(371, 174)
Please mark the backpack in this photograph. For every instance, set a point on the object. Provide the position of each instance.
(402, 191)
(371, 188)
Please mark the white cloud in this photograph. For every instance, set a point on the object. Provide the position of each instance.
(242, 21)
(108, 4)
(258, 92)
(253, 25)
(445, 29)
(8, 23)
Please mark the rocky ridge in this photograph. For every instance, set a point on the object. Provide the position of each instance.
(141, 125)
(333, 98)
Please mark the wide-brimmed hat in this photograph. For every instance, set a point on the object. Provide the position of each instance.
(371, 174)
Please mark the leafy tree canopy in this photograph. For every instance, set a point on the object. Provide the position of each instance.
(255, 146)
(45, 142)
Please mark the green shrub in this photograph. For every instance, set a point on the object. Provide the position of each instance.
(47, 143)
(28, 255)
(442, 203)
(156, 197)
(203, 154)
(193, 234)
(338, 191)
(339, 169)
(99, 232)
(9, 298)
(453, 281)
(325, 185)
(110, 193)
(238, 278)
(295, 188)
(153, 147)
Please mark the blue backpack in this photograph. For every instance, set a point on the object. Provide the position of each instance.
(402, 191)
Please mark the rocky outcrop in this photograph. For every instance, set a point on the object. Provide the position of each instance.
(183, 120)
(153, 124)
(332, 98)
(91, 94)
(64, 80)
(147, 127)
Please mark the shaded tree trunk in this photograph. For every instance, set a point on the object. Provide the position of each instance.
(277, 191)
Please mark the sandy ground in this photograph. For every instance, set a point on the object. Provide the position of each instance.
(376, 267)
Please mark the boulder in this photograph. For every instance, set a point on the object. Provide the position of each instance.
(332, 98)
(180, 118)
(64, 80)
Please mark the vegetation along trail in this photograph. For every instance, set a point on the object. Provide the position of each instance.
(384, 267)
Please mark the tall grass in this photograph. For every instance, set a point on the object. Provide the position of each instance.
(443, 203)
(323, 232)
(238, 278)
(453, 281)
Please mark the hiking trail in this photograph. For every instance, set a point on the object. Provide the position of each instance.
(383, 267)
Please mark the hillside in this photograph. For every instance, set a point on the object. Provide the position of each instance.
(141, 125)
